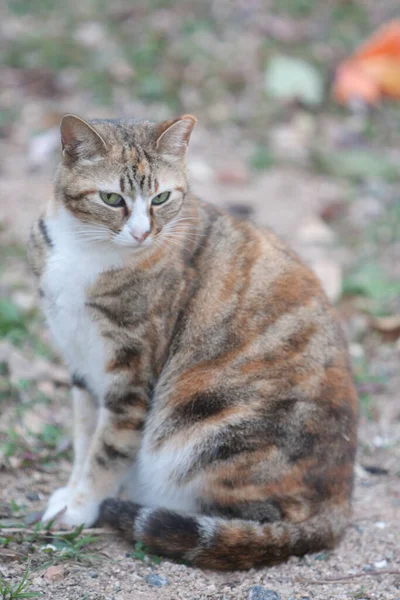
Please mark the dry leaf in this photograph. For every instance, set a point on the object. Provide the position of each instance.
(388, 326)
(55, 573)
(374, 69)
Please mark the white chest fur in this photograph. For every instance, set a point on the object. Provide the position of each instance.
(72, 267)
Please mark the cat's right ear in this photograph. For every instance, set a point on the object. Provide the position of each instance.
(80, 140)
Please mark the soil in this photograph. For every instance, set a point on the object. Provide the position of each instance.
(336, 223)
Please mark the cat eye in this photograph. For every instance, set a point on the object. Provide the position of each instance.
(161, 198)
(112, 199)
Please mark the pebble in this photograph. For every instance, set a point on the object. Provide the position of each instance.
(259, 592)
(156, 580)
(93, 574)
(380, 564)
(32, 496)
(55, 573)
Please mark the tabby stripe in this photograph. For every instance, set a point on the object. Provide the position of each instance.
(80, 196)
(121, 403)
(130, 181)
(45, 233)
(111, 315)
(142, 181)
(113, 453)
(122, 184)
(79, 381)
(117, 291)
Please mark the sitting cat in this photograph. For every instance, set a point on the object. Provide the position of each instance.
(210, 376)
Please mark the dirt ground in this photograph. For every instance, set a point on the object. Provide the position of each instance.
(284, 166)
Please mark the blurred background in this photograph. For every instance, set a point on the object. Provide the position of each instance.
(273, 143)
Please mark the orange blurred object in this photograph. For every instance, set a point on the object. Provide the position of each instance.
(374, 69)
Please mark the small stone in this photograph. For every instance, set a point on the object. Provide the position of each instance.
(243, 211)
(380, 524)
(259, 592)
(156, 580)
(380, 564)
(32, 496)
(93, 574)
(237, 175)
(25, 300)
(200, 170)
(55, 573)
(330, 275)
(314, 231)
(117, 586)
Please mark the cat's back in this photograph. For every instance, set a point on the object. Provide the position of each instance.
(253, 287)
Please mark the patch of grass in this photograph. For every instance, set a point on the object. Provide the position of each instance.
(369, 281)
(44, 448)
(34, 7)
(17, 509)
(18, 591)
(40, 51)
(261, 159)
(19, 327)
(364, 379)
(13, 323)
(355, 165)
(10, 445)
(70, 546)
(4, 541)
(295, 8)
(349, 23)
(141, 551)
(385, 231)
(56, 546)
(50, 436)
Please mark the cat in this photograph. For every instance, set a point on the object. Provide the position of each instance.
(211, 379)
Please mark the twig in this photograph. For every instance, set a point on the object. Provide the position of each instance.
(94, 531)
(347, 577)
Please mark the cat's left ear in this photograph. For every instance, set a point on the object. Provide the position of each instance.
(79, 139)
(173, 136)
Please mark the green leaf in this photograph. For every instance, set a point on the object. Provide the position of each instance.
(357, 165)
(289, 78)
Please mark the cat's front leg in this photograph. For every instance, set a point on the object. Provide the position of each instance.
(112, 452)
(85, 422)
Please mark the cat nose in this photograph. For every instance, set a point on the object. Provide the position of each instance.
(140, 237)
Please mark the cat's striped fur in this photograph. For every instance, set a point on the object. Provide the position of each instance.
(211, 378)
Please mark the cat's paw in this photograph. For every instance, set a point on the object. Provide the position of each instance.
(80, 513)
(67, 507)
(57, 502)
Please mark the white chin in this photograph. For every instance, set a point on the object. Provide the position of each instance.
(132, 245)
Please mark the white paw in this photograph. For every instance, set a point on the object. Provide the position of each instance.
(56, 503)
(79, 513)
(70, 508)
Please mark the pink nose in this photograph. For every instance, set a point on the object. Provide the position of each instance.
(140, 237)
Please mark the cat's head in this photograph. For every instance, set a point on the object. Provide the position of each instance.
(124, 181)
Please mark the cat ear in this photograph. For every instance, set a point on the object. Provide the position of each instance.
(173, 136)
(79, 139)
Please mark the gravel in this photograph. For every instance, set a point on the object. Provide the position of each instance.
(156, 580)
(258, 592)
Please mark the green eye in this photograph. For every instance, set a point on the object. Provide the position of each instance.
(161, 198)
(112, 199)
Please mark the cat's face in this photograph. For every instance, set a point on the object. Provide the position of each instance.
(124, 182)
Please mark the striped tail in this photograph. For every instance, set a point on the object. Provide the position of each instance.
(218, 543)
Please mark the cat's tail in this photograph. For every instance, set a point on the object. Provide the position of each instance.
(218, 543)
